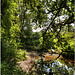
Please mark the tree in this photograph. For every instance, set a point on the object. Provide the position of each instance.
(53, 16)
(10, 29)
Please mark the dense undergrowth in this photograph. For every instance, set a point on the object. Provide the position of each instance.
(20, 20)
(10, 67)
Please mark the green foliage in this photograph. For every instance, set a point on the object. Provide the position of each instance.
(66, 44)
(9, 69)
(8, 49)
(19, 18)
(10, 30)
(4, 68)
(32, 41)
(48, 40)
(21, 55)
(9, 36)
(24, 54)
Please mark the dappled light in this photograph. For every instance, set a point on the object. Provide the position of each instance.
(37, 37)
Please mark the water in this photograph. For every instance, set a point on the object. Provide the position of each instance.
(57, 68)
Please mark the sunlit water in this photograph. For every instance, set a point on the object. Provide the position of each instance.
(60, 68)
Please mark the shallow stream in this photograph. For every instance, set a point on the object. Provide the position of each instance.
(58, 67)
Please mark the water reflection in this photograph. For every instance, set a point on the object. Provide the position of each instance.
(57, 68)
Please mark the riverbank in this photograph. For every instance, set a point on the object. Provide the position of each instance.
(31, 57)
